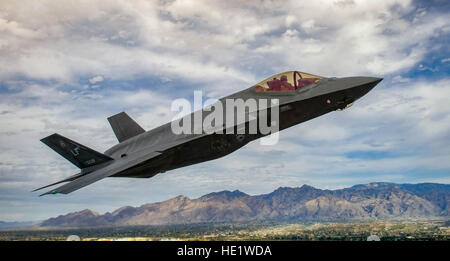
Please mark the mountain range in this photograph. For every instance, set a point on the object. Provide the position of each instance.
(372, 201)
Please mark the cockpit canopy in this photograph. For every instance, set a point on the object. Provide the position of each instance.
(287, 81)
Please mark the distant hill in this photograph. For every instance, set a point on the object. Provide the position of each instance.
(11, 225)
(303, 204)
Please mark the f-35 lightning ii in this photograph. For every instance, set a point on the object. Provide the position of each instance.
(143, 154)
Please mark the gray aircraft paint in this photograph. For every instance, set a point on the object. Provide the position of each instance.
(145, 154)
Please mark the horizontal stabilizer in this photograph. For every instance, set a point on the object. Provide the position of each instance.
(124, 127)
(61, 181)
(80, 182)
(99, 174)
(81, 156)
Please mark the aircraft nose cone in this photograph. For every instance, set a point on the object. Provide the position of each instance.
(355, 87)
(366, 80)
(364, 85)
(373, 80)
(351, 82)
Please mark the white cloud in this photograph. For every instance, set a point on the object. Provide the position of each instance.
(211, 40)
(219, 47)
(400, 79)
(96, 79)
(16, 29)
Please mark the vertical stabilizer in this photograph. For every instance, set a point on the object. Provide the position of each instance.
(124, 127)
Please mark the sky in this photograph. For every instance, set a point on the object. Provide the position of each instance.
(65, 66)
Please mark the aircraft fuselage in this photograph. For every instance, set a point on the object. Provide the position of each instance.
(302, 106)
(298, 97)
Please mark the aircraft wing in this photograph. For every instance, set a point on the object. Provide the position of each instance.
(99, 174)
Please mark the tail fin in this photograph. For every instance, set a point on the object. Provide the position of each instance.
(124, 127)
(81, 156)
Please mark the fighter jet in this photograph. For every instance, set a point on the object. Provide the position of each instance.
(143, 154)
